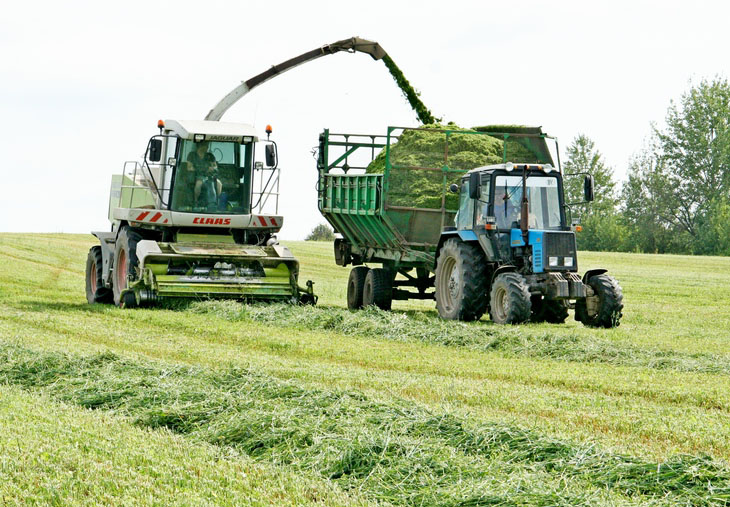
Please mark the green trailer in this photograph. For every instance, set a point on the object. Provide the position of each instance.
(474, 219)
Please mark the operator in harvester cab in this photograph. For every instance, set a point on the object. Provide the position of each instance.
(506, 206)
(207, 185)
(197, 158)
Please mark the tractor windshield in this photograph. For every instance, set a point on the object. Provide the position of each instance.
(211, 177)
(543, 202)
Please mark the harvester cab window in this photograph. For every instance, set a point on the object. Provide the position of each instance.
(543, 198)
(210, 178)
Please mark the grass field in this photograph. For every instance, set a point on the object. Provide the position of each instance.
(224, 404)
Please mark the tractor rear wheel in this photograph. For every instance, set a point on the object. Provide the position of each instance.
(95, 290)
(610, 303)
(509, 302)
(355, 286)
(460, 281)
(126, 265)
(378, 289)
(554, 311)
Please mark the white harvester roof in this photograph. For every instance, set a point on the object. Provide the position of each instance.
(213, 130)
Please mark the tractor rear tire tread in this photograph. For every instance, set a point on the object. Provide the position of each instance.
(95, 269)
(470, 302)
(126, 241)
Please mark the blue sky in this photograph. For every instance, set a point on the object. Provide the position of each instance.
(82, 85)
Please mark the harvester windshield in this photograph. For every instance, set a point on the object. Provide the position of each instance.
(213, 177)
(543, 198)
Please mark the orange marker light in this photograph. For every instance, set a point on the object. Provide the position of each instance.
(160, 124)
(578, 228)
(269, 130)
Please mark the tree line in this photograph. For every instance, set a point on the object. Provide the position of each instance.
(676, 198)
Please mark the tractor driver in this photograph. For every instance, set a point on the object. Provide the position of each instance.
(505, 210)
(207, 186)
(197, 157)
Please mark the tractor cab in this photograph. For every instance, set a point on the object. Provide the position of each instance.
(520, 212)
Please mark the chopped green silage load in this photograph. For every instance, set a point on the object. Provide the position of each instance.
(459, 149)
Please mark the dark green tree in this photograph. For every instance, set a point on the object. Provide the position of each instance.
(602, 226)
(321, 232)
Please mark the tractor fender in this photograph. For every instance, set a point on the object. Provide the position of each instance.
(465, 236)
(591, 272)
(505, 268)
(107, 241)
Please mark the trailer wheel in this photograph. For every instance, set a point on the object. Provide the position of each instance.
(460, 281)
(125, 265)
(355, 286)
(95, 290)
(509, 302)
(378, 289)
(610, 303)
(553, 311)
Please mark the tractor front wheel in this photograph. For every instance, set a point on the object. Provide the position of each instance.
(607, 302)
(355, 286)
(554, 311)
(509, 302)
(95, 290)
(378, 289)
(125, 266)
(460, 281)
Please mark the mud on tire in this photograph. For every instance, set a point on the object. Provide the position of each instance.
(460, 281)
(126, 265)
(509, 301)
(610, 303)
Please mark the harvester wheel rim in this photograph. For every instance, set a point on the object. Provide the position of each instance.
(121, 278)
(92, 277)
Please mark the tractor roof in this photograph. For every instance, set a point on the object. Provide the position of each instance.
(213, 130)
(494, 167)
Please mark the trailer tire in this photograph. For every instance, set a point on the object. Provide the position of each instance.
(461, 281)
(610, 303)
(95, 290)
(355, 286)
(509, 301)
(126, 264)
(553, 311)
(378, 289)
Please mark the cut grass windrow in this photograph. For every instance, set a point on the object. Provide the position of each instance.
(393, 452)
(511, 341)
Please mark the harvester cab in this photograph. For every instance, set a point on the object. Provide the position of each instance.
(197, 217)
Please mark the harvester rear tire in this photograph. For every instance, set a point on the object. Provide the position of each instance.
(553, 311)
(378, 289)
(355, 286)
(461, 281)
(610, 303)
(95, 290)
(126, 264)
(509, 301)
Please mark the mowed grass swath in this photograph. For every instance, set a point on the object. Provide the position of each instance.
(344, 407)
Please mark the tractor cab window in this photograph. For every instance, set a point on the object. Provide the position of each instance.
(465, 216)
(543, 202)
(210, 177)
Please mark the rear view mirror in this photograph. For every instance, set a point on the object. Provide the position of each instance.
(475, 186)
(155, 151)
(270, 155)
(588, 188)
(454, 188)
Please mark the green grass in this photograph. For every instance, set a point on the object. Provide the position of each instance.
(653, 394)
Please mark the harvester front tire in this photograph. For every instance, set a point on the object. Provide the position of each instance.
(125, 264)
(509, 301)
(378, 289)
(95, 290)
(553, 311)
(461, 281)
(355, 287)
(610, 303)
